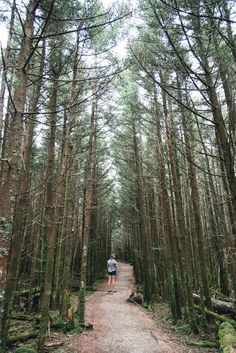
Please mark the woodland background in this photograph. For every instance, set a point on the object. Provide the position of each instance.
(104, 148)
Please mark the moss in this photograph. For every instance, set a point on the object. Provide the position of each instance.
(81, 304)
(202, 344)
(22, 336)
(227, 336)
(225, 328)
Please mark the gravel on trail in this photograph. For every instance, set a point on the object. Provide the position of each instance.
(122, 327)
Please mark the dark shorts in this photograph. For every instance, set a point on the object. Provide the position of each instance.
(113, 273)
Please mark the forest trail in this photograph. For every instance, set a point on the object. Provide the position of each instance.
(119, 326)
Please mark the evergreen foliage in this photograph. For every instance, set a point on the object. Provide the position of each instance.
(103, 153)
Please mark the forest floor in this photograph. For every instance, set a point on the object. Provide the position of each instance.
(122, 327)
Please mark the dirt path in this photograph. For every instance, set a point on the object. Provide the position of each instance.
(121, 327)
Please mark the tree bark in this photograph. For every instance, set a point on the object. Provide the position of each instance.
(183, 248)
(10, 175)
(49, 217)
(88, 202)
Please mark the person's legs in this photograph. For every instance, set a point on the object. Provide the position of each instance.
(113, 280)
(109, 280)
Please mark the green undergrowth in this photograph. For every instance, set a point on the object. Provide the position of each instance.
(65, 326)
(150, 307)
(58, 324)
(202, 343)
(181, 329)
(206, 338)
(94, 287)
(167, 319)
(208, 330)
(25, 349)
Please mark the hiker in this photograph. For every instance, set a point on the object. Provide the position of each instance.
(112, 268)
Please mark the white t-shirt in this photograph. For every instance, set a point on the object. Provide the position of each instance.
(111, 265)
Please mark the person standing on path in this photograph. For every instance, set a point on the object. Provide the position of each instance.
(112, 269)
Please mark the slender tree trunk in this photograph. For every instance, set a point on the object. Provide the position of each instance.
(217, 226)
(10, 176)
(88, 202)
(183, 249)
(170, 257)
(67, 233)
(221, 137)
(60, 206)
(150, 287)
(49, 219)
(6, 65)
(197, 217)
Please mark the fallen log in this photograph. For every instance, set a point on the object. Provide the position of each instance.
(56, 323)
(216, 316)
(202, 344)
(65, 326)
(227, 337)
(50, 345)
(220, 306)
(21, 337)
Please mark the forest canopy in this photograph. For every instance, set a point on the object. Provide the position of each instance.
(117, 133)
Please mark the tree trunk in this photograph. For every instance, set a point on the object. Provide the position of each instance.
(183, 249)
(88, 202)
(10, 175)
(197, 216)
(6, 65)
(170, 256)
(49, 219)
(221, 134)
